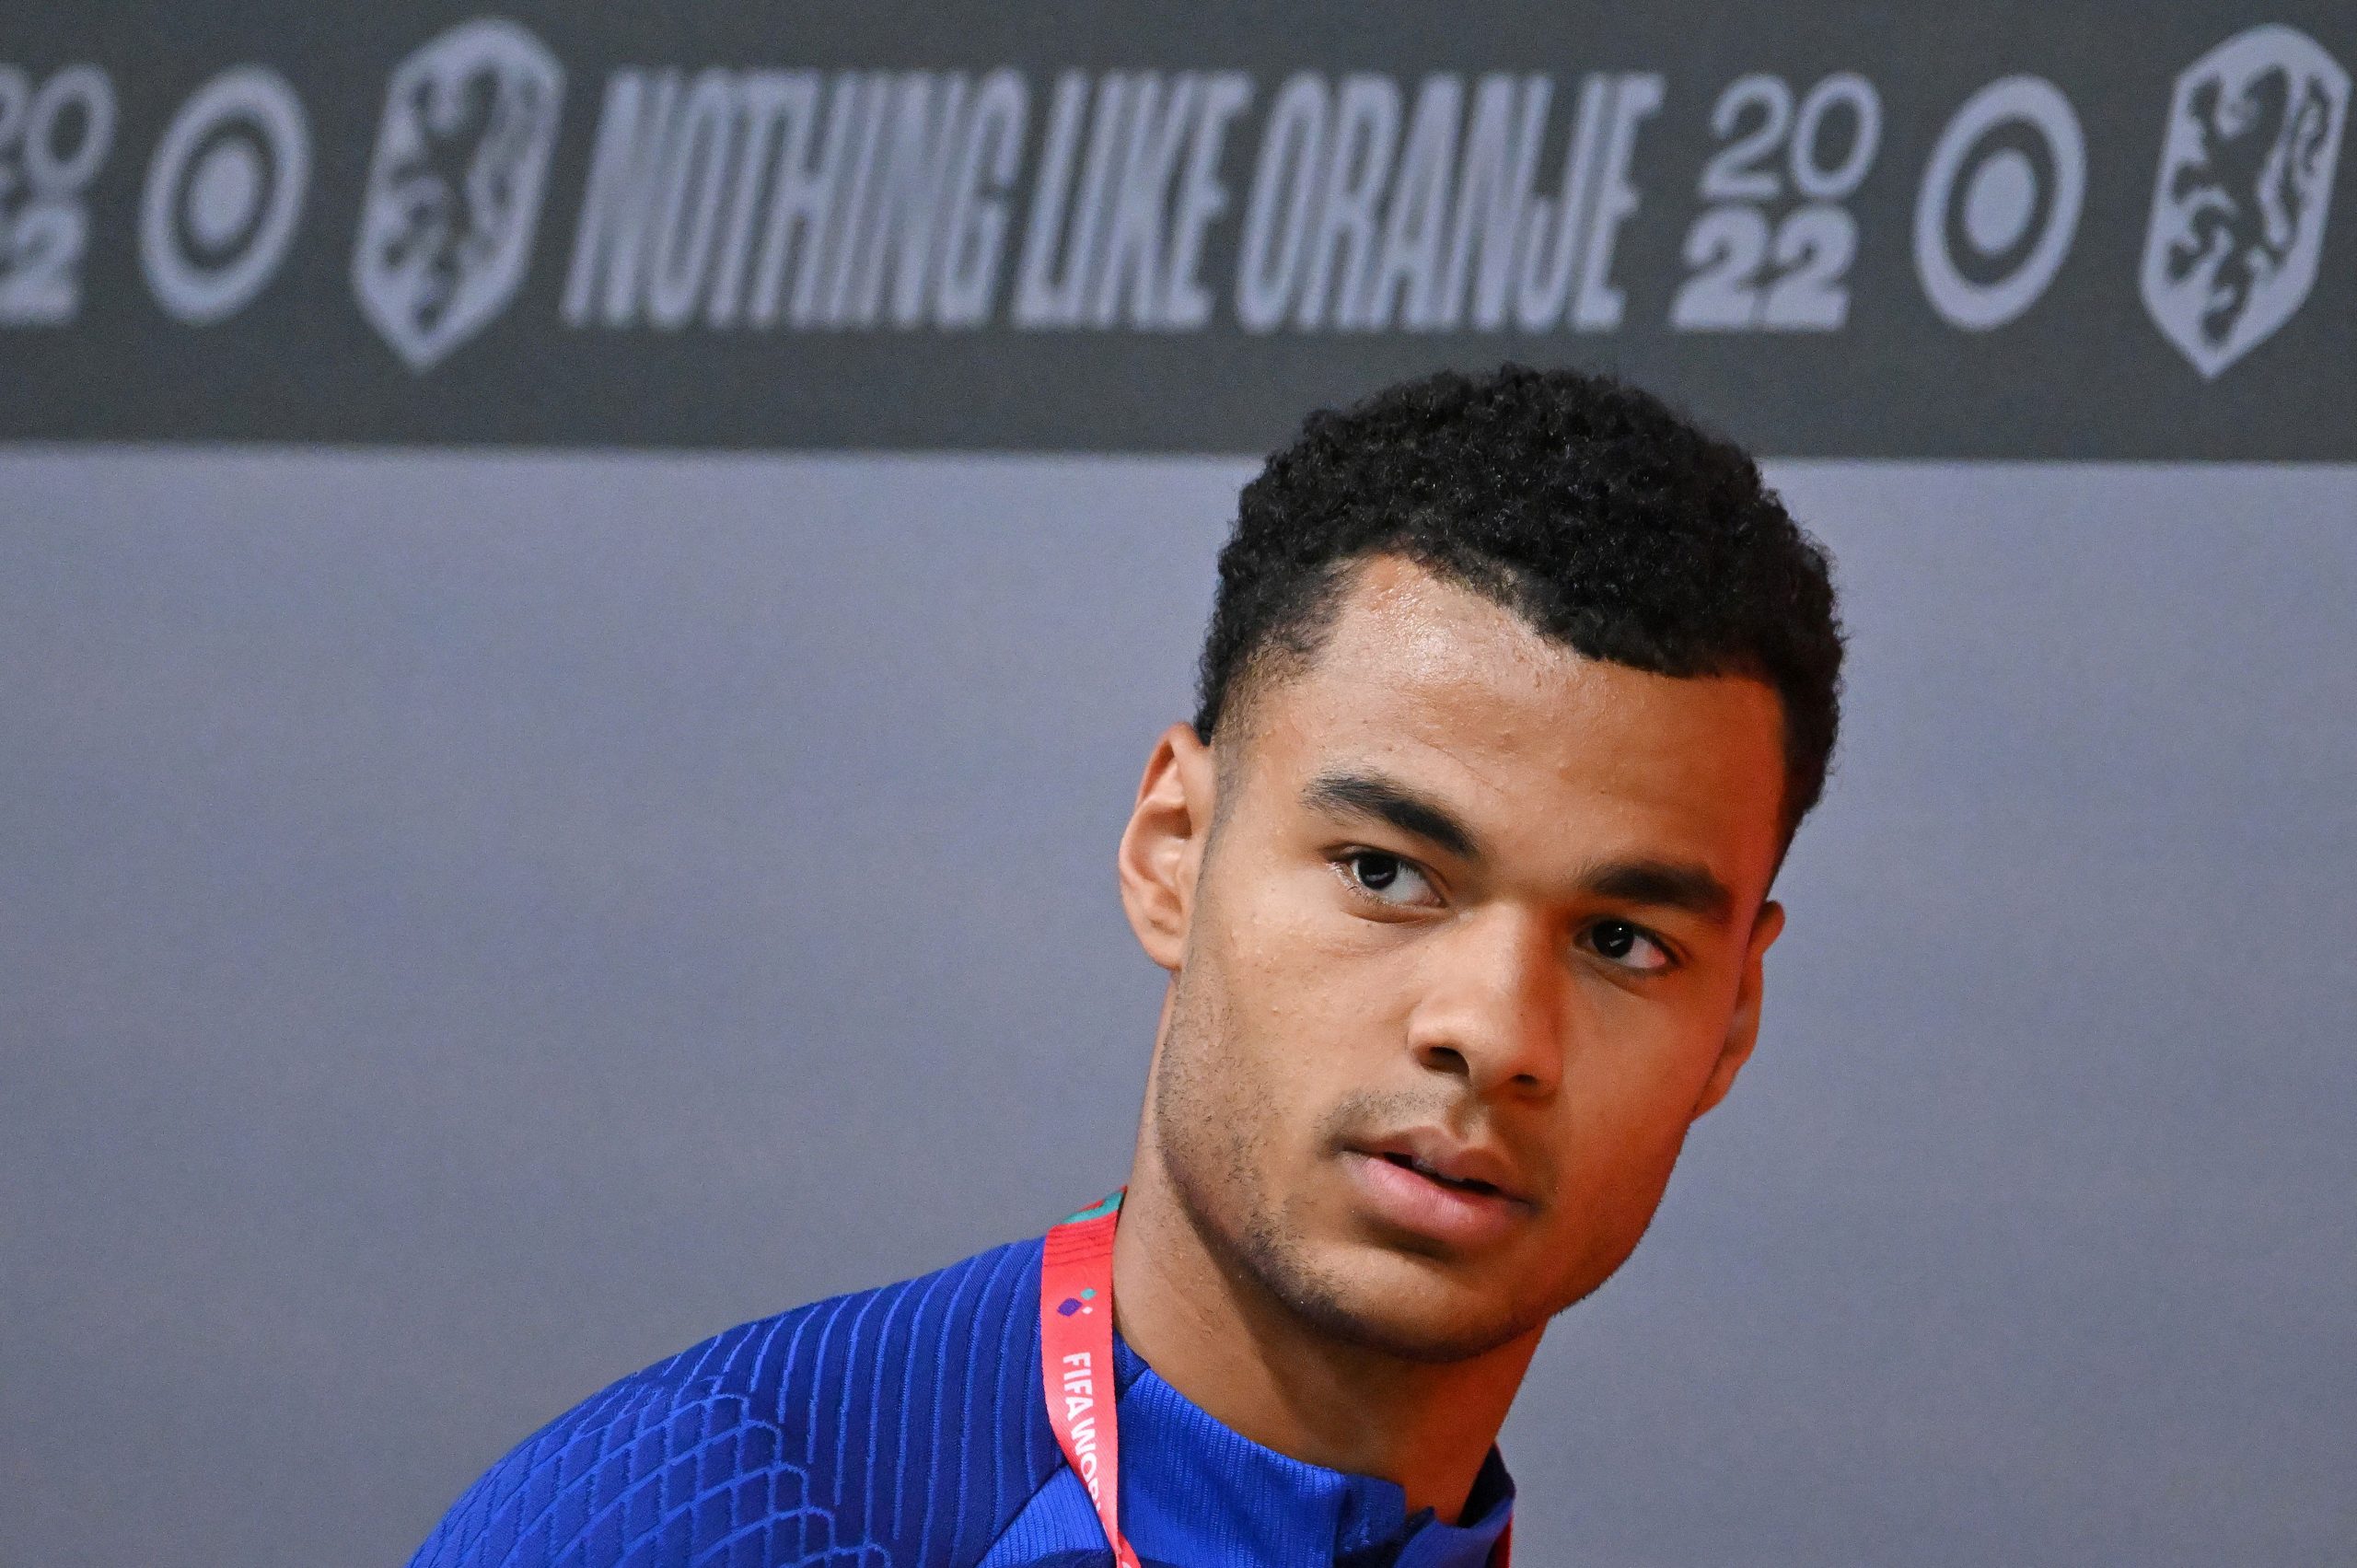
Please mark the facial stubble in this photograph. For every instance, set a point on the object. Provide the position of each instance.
(1212, 1148)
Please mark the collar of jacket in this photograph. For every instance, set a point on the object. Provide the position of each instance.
(1194, 1491)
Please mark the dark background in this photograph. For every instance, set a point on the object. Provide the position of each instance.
(2083, 374)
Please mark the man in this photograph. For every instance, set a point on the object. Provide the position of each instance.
(1516, 690)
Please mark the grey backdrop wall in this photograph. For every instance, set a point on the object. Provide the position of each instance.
(478, 923)
(582, 591)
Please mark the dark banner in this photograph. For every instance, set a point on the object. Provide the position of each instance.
(1999, 231)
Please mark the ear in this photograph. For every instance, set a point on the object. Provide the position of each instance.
(1743, 1026)
(1162, 848)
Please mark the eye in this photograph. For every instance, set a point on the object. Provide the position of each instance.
(1627, 946)
(1387, 877)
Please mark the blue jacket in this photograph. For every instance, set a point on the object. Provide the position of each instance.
(904, 1426)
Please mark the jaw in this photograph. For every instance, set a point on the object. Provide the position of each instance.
(1311, 1271)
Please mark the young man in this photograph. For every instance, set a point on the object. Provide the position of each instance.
(1516, 690)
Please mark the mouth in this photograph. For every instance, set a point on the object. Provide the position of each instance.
(1433, 1173)
(1447, 1161)
(1433, 1189)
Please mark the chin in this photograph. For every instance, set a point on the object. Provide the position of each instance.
(1411, 1308)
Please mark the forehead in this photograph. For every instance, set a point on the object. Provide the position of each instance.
(1527, 739)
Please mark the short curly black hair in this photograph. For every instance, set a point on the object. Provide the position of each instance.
(1605, 518)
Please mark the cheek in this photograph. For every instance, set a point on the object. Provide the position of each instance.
(1649, 1053)
(1313, 994)
(1631, 1079)
(1288, 996)
(1606, 1217)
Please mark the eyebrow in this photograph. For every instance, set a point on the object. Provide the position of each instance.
(1664, 884)
(1367, 795)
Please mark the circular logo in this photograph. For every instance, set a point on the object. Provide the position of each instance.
(2000, 203)
(223, 191)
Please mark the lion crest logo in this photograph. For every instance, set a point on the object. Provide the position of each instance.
(2238, 214)
(454, 190)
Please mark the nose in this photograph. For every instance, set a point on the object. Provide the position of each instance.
(1490, 1011)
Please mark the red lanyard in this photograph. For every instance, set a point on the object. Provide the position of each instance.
(1077, 1363)
(1076, 1359)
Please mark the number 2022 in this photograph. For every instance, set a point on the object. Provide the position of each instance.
(53, 140)
(1747, 275)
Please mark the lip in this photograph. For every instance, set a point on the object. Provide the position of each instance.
(1432, 1201)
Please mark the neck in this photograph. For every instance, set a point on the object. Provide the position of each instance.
(1256, 1366)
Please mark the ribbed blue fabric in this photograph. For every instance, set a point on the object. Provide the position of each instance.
(1194, 1491)
(1059, 1526)
(904, 1426)
(900, 1425)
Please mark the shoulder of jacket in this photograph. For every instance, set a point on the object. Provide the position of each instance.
(895, 1424)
